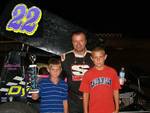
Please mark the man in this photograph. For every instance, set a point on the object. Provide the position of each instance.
(75, 63)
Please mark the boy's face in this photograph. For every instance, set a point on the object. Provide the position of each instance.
(54, 70)
(98, 58)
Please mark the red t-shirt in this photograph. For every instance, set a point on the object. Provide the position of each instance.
(100, 84)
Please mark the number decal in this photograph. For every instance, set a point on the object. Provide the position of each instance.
(17, 15)
(24, 20)
(33, 17)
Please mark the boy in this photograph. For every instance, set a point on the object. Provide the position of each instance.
(100, 86)
(53, 91)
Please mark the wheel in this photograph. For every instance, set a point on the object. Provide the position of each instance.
(16, 107)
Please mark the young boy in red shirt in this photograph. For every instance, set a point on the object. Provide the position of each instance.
(100, 86)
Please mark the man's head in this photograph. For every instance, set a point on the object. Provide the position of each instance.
(54, 67)
(98, 57)
(79, 41)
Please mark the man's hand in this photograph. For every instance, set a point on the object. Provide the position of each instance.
(62, 57)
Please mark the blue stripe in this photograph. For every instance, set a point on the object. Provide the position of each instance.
(52, 95)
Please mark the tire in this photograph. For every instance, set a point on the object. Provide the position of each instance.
(16, 107)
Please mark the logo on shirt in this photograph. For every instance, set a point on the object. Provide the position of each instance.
(100, 81)
(78, 71)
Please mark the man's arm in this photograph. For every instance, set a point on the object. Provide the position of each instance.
(116, 99)
(86, 102)
(35, 96)
(65, 103)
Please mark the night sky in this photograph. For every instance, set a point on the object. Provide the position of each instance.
(128, 18)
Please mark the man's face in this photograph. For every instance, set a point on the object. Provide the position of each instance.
(98, 58)
(54, 70)
(79, 42)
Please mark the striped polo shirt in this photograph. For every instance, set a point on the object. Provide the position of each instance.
(52, 96)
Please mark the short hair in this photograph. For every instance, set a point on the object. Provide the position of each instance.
(54, 61)
(99, 49)
(78, 32)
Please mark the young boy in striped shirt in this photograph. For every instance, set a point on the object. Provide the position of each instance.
(53, 92)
